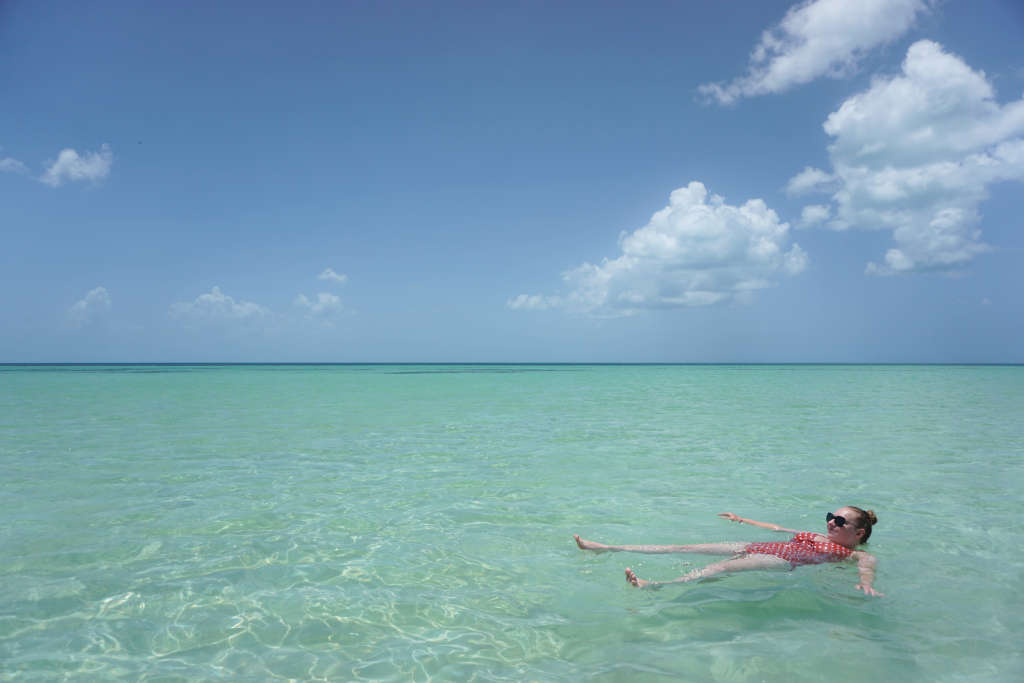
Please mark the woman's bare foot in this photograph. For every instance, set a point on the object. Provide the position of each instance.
(635, 580)
(588, 545)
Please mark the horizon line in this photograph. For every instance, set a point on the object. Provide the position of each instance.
(599, 363)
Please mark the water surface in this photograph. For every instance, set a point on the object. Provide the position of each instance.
(407, 522)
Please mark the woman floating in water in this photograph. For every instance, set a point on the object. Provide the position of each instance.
(847, 528)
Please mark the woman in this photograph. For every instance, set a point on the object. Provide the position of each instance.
(847, 528)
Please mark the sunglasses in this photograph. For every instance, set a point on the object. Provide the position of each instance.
(839, 519)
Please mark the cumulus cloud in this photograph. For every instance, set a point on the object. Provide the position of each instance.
(330, 275)
(324, 304)
(696, 251)
(915, 153)
(817, 38)
(217, 306)
(88, 309)
(94, 166)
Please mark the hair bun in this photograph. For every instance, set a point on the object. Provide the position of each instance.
(872, 517)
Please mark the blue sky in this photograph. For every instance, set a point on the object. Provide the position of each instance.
(464, 181)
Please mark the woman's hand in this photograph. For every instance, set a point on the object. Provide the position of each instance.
(866, 563)
(731, 517)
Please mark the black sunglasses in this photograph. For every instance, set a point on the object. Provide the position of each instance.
(840, 520)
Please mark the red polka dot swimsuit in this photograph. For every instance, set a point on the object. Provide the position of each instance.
(802, 549)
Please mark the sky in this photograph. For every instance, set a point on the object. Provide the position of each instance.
(356, 181)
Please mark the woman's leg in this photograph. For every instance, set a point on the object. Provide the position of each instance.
(702, 548)
(734, 564)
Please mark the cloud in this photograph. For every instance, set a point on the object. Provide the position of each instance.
(94, 166)
(526, 302)
(325, 304)
(9, 165)
(696, 251)
(915, 153)
(329, 274)
(817, 38)
(217, 306)
(94, 304)
(809, 180)
(815, 214)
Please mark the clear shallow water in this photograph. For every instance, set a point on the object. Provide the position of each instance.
(408, 522)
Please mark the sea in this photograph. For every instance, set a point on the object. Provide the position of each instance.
(415, 522)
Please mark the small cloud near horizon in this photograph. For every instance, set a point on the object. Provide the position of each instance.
(218, 306)
(70, 166)
(93, 305)
(329, 274)
(324, 304)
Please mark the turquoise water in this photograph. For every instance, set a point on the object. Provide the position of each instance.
(414, 522)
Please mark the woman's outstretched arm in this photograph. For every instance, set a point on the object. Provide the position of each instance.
(866, 564)
(764, 525)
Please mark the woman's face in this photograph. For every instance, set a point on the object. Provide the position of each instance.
(848, 534)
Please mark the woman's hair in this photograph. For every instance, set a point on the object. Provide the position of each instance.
(865, 520)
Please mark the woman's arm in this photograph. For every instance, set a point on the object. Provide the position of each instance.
(764, 525)
(866, 564)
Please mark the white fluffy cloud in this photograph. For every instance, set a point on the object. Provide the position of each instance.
(915, 153)
(70, 165)
(330, 275)
(89, 308)
(817, 38)
(217, 306)
(324, 304)
(696, 251)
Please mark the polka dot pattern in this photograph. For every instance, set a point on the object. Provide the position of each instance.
(803, 548)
